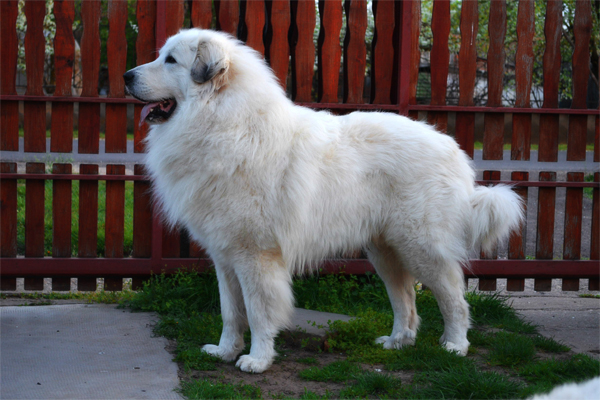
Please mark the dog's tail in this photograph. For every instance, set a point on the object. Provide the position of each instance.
(497, 211)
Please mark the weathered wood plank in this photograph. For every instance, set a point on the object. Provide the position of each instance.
(544, 248)
(61, 212)
(8, 211)
(145, 47)
(415, 55)
(142, 216)
(576, 139)
(88, 214)
(467, 69)
(9, 112)
(329, 51)
(440, 58)
(89, 113)
(573, 218)
(517, 241)
(254, 20)
(521, 134)
(115, 213)
(64, 57)
(116, 114)
(227, 16)
(355, 51)
(493, 135)
(302, 49)
(175, 16)
(382, 63)
(201, 15)
(34, 211)
(34, 119)
(278, 52)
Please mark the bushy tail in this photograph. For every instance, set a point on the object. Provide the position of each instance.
(497, 211)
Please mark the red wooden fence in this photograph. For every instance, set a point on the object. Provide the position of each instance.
(283, 31)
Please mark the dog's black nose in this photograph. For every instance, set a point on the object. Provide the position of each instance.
(129, 76)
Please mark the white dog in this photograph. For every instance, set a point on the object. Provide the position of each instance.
(267, 188)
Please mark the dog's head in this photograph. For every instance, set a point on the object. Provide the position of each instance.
(192, 64)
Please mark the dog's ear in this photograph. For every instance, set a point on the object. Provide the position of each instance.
(211, 63)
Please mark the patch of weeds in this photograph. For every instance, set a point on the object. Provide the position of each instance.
(308, 395)
(204, 389)
(343, 294)
(372, 383)
(463, 382)
(360, 331)
(198, 328)
(478, 338)
(549, 344)
(517, 325)
(426, 357)
(553, 372)
(511, 349)
(181, 293)
(193, 357)
(338, 371)
(489, 309)
(590, 296)
(588, 191)
(307, 361)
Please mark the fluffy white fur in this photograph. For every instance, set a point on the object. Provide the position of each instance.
(588, 390)
(269, 188)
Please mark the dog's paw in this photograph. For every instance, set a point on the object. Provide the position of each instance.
(220, 352)
(253, 365)
(459, 349)
(405, 338)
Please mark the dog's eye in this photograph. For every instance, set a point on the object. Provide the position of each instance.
(171, 60)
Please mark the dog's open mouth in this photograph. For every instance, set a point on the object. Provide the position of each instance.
(158, 112)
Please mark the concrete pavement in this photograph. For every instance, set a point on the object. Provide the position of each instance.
(92, 351)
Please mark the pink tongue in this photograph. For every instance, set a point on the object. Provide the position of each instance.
(145, 111)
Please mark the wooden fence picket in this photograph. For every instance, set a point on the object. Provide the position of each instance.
(9, 112)
(282, 30)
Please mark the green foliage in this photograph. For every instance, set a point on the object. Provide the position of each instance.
(511, 349)
(360, 331)
(338, 371)
(426, 357)
(205, 389)
(463, 382)
(307, 361)
(367, 384)
(183, 293)
(589, 192)
(552, 372)
(549, 344)
(193, 357)
(343, 294)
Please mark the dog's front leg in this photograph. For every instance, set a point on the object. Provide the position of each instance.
(269, 301)
(233, 313)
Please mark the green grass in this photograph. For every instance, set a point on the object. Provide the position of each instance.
(463, 382)
(338, 371)
(381, 385)
(308, 360)
(589, 296)
(205, 389)
(117, 297)
(188, 304)
(75, 134)
(48, 218)
(511, 349)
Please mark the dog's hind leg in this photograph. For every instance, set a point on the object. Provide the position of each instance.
(233, 313)
(399, 284)
(269, 300)
(447, 285)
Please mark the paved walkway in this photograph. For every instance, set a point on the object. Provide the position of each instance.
(92, 351)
